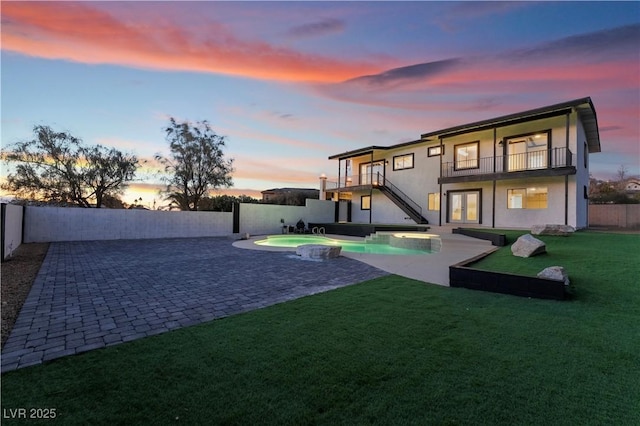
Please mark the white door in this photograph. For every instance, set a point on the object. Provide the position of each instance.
(464, 207)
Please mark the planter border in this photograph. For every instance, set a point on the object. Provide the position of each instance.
(499, 240)
(461, 275)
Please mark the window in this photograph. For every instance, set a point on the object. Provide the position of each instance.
(434, 151)
(527, 198)
(402, 162)
(434, 201)
(365, 202)
(466, 156)
(586, 155)
(371, 173)
(528, 152)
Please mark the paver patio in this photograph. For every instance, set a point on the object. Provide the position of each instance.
(89, 295)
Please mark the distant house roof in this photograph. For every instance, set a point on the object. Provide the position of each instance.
(284, 190)
(632, 185)
(584, 107)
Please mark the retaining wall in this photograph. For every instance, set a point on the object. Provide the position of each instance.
(615, 215)
(11, 229)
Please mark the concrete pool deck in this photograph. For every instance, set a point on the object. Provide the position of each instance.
(430, 268)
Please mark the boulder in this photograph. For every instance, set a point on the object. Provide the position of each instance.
(563, 230)
(318, 251)
(527, 246)
(554, 273)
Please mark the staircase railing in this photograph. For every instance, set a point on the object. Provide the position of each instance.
(397, 192)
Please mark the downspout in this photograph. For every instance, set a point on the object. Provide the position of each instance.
(493, 197)
(371, 189)
(566, 177)
(441, 195)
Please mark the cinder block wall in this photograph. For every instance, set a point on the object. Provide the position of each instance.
(48, 224)
(615, 215)
(11, 229)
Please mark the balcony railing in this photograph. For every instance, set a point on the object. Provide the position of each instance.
(356, 180)
(535, 160)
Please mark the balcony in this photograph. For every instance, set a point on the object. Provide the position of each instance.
(551, 162)
(355, 182)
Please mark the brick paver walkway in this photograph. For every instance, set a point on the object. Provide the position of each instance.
(89, 295)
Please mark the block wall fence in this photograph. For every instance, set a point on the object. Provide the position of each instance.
(50, 224)
(11, 229)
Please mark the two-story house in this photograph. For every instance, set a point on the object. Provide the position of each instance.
(507, 172)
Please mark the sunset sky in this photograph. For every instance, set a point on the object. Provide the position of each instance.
(290, 83)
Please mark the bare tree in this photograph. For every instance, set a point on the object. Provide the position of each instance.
(196, 164)
(57, 167)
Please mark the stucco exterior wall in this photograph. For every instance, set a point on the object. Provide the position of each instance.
(524, 218)
(12, 228)
(581, 179)
(264, 219)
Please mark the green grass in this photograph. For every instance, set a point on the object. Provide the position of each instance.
(387, 351)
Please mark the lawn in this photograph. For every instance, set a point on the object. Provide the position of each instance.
(387, 351)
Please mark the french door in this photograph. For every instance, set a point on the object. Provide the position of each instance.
(464, 207)
(371, 170)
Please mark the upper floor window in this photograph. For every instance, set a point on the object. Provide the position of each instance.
(434, 151)
(401, 162)
(466, 155)
(528, 152)
(586, 155)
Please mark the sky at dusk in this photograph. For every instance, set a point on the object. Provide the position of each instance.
(291, 83)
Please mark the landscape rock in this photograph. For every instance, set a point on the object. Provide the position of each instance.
(563, 230)
(554, 273)
(527, 246)
(318, 251)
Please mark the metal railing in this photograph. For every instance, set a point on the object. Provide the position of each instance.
(534, 160)
(354, 180)
(397, 192)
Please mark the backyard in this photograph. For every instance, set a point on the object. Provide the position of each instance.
(386, 351)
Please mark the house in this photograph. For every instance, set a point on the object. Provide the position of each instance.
(632, 186)
(507, 172)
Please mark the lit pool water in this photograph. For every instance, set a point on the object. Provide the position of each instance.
(293, 241)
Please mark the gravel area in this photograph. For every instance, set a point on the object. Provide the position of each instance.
(18, 274)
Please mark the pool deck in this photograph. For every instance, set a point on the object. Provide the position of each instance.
(430, 268)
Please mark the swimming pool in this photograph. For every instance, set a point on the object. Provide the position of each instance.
(383, 246)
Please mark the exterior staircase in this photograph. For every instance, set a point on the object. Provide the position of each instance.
(400, 199)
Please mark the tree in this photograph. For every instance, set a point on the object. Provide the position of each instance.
(223, 203)
(58, 167)
(196, 164)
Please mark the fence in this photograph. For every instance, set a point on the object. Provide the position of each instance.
(615, 215)
(11, 229)
(50, 224)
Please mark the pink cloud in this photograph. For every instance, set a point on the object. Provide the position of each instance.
(82, 33)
